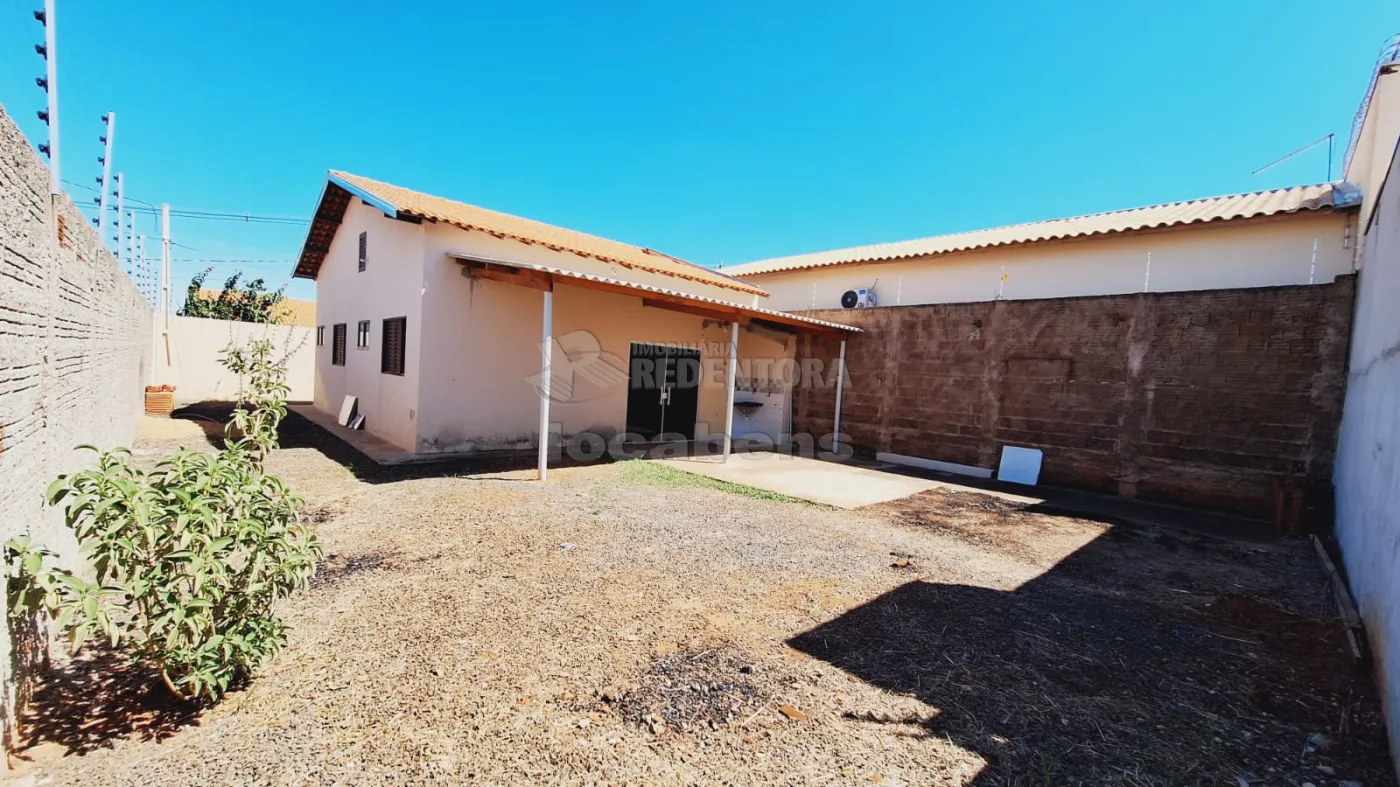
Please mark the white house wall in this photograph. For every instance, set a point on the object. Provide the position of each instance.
(390, 286)
(481, 346)
(1367, 474)
(1260, 253)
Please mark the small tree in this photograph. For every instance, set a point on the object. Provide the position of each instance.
(191, 557)
(250, 303)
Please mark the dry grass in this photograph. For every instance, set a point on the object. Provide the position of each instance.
(616, 626)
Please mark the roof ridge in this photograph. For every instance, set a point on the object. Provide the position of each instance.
(745, 268)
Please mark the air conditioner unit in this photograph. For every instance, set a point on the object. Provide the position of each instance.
(858, 299)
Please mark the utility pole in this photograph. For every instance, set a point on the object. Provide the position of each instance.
(105, 182)
(49, 82)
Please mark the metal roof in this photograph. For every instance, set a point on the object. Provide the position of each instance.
(1323, 196)
(396, 200)
(644, 289)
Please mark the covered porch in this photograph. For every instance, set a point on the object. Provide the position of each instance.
(659, 375)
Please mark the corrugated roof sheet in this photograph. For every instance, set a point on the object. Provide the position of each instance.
(643, 289)
(1235, 206)
(471, 217)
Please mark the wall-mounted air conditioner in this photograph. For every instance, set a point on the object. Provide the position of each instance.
(858, 299)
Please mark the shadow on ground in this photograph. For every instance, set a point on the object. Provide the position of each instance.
(298, 432)
(101, 697)
(1078, 678)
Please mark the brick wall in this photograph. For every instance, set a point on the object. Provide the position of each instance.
(1195, 398)
(74, 350)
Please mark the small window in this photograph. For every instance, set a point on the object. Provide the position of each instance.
(320, 336)
(338, 344)
(364, 250)
(362, 335)
(391, 359)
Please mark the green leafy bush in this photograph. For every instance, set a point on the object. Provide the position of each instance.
(190, 557)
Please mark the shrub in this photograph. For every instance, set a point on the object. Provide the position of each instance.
(190, 557)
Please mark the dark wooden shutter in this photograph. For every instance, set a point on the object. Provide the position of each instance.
(364, 250)
(391, 361)
(338, 344)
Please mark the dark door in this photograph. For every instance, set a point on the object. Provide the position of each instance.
(682, 401)
(663, 391)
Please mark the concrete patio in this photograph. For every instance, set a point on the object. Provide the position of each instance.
(843, 485)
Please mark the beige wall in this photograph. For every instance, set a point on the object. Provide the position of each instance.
(473, 345)
(191, 363)
(484, 341)
(1376, 143)
(390, 286)
(1260, 253)
(1368, 472)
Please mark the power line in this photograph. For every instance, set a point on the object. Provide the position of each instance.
(215, 215)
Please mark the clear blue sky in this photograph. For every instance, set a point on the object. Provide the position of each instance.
(721, 132)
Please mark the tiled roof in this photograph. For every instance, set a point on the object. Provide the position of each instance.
(289, 311)
(1236, 206)
(470, 217)
(294, 311)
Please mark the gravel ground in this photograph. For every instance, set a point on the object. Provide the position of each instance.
(632, 624)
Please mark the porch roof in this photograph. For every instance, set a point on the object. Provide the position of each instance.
(543, 277)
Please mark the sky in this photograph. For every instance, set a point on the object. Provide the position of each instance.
(720, 132)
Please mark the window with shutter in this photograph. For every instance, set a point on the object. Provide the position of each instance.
(393, 348)
(338, 344)
(364, 250)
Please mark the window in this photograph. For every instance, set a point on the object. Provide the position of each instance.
(391, 359)
(362, 335)
(320, 336)
(364, 250)
(338, 344)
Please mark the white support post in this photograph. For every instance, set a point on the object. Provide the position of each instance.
(840, 389)
(51, 84)
(546, 349)
(729, 389)
(165, 265)
(121, 212)
(106, 181)
(142, 268)
(131, 245)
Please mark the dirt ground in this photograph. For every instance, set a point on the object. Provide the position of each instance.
(631, 624)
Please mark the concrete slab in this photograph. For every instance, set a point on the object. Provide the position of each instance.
(378, 450)
(832, 483)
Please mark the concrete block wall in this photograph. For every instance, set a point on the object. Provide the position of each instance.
(75, 340)
(1196, 398)
(1368, 469)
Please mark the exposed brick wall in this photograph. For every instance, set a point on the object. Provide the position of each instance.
(1196, 398)
(74, 349)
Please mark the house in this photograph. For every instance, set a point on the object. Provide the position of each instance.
(1301, 235)
(461, 330)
